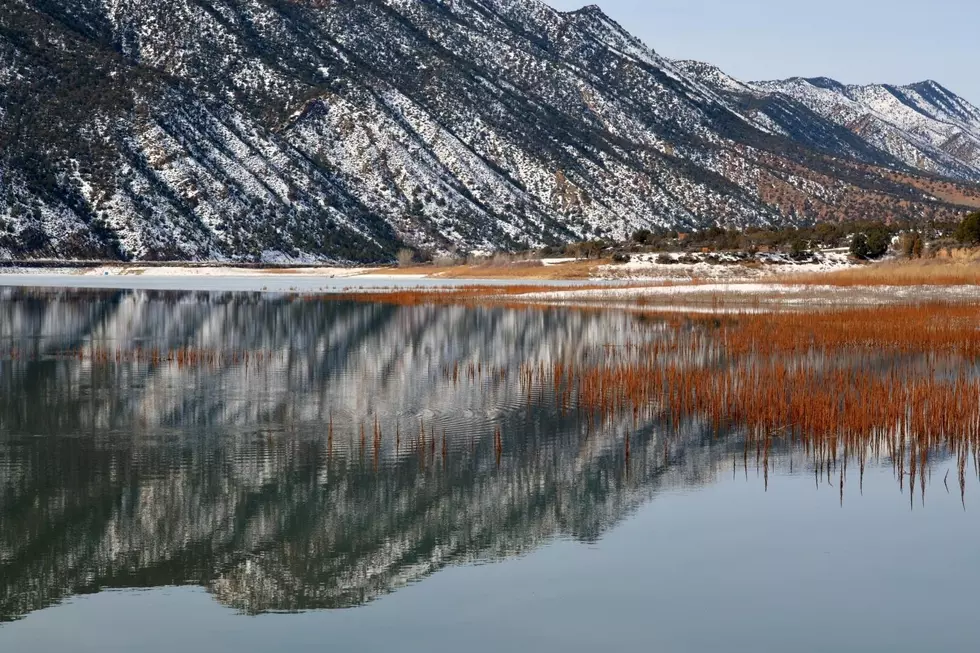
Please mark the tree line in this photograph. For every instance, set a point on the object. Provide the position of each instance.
(865, 240)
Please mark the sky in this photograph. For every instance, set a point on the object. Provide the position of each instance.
(852, 41)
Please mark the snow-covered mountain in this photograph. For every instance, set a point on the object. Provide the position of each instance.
(271, 129)
(923, 125)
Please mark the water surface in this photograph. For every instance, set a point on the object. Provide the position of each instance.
(244, 472)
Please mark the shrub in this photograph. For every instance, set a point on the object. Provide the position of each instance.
(859, 246)
(870, 245)
(912, 245)
(620, 257)
(593, 248)
(968, 231)
(879, 240)
(446, 261)
(799, 250)
(406, 258)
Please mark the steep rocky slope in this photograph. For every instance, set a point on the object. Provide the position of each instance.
(292, 129)
(923, 125)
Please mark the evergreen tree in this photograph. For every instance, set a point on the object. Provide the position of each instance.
(859, 247)
(968, 232)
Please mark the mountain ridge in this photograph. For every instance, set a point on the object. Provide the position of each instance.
(303, 130)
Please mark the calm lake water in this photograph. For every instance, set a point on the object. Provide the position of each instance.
(249, 472)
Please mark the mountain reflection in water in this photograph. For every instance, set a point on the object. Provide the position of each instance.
(288, 454)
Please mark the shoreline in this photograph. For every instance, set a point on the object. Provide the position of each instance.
(275, 283)
(557, 282)
(640, 270)
(707, 297)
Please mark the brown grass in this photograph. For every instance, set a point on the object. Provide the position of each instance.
(921, 272)
(508, 296)
(530, 270)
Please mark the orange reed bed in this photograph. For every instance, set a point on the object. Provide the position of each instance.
(935, 329)
(842, 414)
(899, 383)
(465, 295)
(933, 272)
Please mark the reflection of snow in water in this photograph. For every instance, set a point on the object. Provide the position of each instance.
(253, 481)
(229, 477)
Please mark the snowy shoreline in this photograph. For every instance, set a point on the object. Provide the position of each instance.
(646, 281)
(313, 280)
(609, 294)
(641, 267)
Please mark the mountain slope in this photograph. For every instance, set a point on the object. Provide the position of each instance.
(292, 129)
(923, 125)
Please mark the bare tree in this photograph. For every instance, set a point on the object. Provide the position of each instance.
(406, 258)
